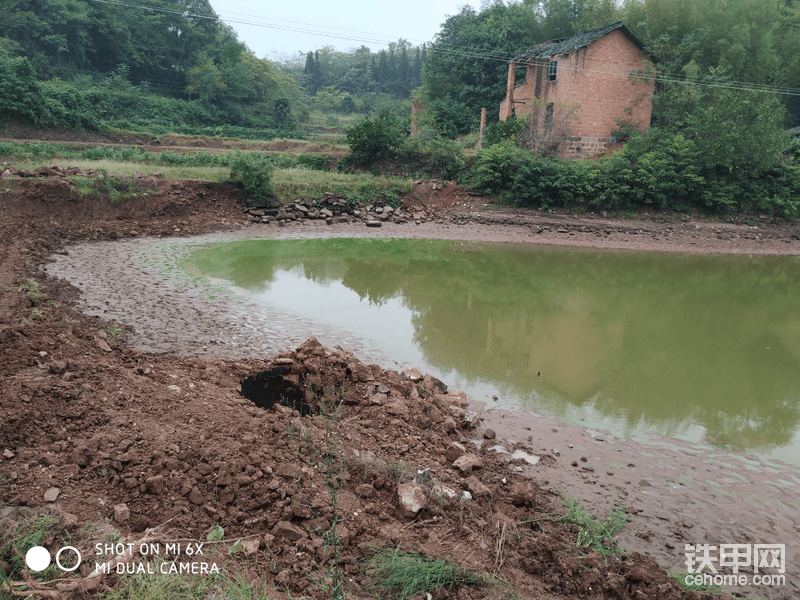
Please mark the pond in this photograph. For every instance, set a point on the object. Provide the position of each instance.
(695, 347)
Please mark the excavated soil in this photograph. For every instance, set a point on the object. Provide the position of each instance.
(167, 432)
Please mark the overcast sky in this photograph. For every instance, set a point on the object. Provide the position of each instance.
(279, 30)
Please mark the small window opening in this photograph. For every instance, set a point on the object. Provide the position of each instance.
(548, 116)
(552, 70)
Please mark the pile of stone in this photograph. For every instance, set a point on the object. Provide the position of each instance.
(331, 208)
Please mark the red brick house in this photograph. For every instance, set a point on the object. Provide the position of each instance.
(589, 71)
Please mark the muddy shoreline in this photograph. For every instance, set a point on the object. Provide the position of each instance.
(677, 492)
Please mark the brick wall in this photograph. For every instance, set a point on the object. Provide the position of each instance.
(596, 78)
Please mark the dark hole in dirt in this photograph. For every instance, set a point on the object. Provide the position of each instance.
(267, 388)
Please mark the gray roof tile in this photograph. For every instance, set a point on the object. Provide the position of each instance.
(564, 46)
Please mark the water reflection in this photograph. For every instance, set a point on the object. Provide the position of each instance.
(652, 341)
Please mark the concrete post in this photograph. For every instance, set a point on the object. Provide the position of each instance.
(512, 72)
(483, 126)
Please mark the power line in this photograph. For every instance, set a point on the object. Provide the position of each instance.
(469, 53)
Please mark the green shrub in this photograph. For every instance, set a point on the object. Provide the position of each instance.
(501, 131)
(316, 162)
(253, 173)
(431, 152)
(376, 138)
(659, 169)
(497, 167)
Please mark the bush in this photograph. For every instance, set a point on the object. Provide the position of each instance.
(253, 173)
(431, 152)
(376, 138)
(660, 169)
(501, 131)
(453, 118)
(497, 167)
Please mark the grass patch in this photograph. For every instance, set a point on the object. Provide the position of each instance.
(22, 533)
(114, 332)
(702, 588)
(291, 184)
(594, 534)
(143, 586)
(404, 575)
(201, 173)
(33, 290)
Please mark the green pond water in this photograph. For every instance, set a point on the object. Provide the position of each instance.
(696, 347)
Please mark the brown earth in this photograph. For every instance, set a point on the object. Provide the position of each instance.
(151, 143)
(174, 440)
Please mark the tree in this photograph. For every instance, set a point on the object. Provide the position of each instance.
(404, 82)
(468, 63)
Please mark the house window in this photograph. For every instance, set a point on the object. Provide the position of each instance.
(552, 70)
(548, 116)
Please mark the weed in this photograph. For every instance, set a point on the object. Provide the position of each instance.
(399, 470)
(156, 586)
(114, 332)
(703, 588)
(593, 534)
(404, 575)
(22, 533)
(33, 290)
(36, 315)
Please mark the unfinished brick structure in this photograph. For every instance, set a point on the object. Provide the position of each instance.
(592, 72)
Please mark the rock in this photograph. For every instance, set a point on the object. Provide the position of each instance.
(374, 223)
(226, 496)
(411, 499)
(195, 496)
(467, 462)
(464, 496)
(8, 454)
(454, 452)
(58, 367)
(450, 425)
(155, 484)
(397, 409)
(250, 545)
(412, 374)
(286, 530)
(365, 490)
(121, 513)
(489, 434)
(51, 494)
(102, 345)
(434, 385)
(361, 372)
(378, 399)
(522, 494)
(224, 476)
(325, 213)
(477, 488)
(442, 491)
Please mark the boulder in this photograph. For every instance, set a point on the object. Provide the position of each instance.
(411, 499)
(467, 462)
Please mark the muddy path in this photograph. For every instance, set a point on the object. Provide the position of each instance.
(168, 385)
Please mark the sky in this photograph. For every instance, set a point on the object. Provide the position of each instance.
(279, 30)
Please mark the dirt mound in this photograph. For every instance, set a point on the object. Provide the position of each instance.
(175, 442)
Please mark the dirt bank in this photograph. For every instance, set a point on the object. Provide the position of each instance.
(166, 432)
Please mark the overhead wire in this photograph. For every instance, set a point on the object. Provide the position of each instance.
(465, 51)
